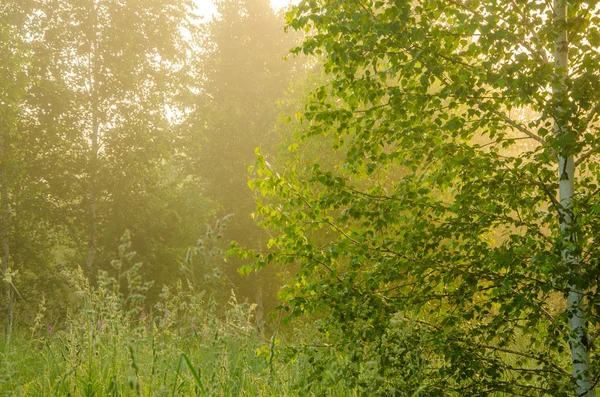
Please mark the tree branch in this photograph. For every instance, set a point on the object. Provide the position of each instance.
(497, 348)
(589, 119)
(519, 127)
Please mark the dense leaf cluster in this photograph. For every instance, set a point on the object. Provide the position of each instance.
(434, 245)
(129, 115)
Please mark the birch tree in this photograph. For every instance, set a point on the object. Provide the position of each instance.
(446, 253)
(116, 75)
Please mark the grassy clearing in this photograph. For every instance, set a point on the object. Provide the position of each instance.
(190, 345)
(187, 346)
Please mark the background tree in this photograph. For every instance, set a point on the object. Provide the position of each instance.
(448, 254)
(27, 237)
(121, 71)
(243, 75)
(9, 98)
(94, 96)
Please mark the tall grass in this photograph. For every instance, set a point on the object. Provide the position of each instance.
(189, 344)
(186, 346)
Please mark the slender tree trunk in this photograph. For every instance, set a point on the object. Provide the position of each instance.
(93, 169)
(10, 299)
(260, 311)
(575, 300)
(94, 145)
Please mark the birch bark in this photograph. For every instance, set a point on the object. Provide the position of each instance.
(566, 173)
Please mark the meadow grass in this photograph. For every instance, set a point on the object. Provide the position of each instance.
(187, 346)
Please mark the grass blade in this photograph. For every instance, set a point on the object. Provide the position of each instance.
(194, 373)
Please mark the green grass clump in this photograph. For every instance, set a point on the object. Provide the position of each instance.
(186, 346)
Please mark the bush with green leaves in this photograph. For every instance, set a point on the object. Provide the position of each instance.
(459, 122)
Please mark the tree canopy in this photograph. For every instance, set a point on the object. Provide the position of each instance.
(130, 116)
(90, 103)
(242, 76)
(438, 252)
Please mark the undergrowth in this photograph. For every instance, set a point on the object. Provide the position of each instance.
(187, 345)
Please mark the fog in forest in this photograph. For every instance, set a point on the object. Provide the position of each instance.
(130, 127)
(305, 197)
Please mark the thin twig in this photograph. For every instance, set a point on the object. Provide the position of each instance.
(519, 127)
(498, 348)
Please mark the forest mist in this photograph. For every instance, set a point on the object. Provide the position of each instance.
(340, 198)
(137, 118)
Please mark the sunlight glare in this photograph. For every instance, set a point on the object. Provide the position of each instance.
(207, 7)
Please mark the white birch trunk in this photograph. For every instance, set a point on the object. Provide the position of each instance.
(575, 303)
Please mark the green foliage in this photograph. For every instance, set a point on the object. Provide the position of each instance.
(110, 346)
(439, 228)
(93, 97)
(241, 77)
